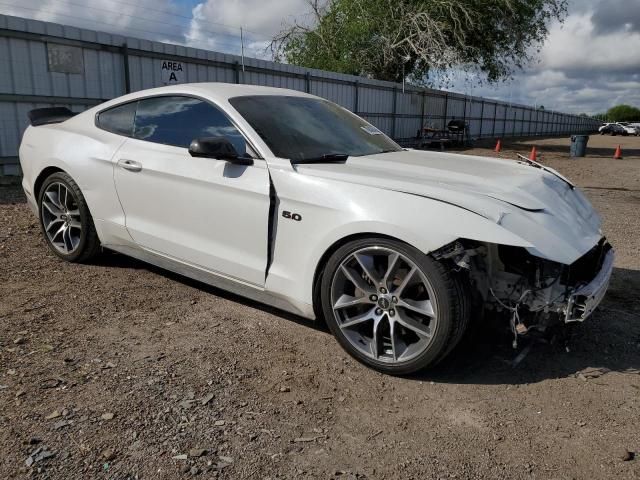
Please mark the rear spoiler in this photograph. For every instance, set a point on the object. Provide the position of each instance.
(45, 116)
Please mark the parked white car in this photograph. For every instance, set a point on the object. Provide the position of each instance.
(604, 126)
(294, 201)
(628, 128)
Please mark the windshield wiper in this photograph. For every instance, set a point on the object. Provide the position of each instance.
(327, 158)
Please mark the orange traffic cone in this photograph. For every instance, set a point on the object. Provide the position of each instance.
(534, 154)
(618, 154)
(498, 146)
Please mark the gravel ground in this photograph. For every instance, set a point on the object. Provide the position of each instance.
(119, 370)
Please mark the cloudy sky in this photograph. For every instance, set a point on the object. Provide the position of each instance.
(588, 64)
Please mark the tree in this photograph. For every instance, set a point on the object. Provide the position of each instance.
(623, 113)
(396, 39)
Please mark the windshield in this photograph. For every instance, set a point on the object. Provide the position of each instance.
(302, 128)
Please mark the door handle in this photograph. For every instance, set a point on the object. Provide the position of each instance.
(131, 165)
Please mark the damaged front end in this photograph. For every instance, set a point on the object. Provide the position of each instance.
(532, 292)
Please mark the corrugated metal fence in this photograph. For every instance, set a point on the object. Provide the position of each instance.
(45, 64)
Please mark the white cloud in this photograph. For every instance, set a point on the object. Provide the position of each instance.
(216, 24)
(588, 64)
(576, 45)
(263, 18)
(212, 24)
(145, 18)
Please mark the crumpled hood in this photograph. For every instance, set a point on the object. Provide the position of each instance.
(443, 176)
(524, 199)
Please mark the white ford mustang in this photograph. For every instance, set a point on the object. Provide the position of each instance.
(291, 200)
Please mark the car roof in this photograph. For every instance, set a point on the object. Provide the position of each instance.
(213, 90)
(230, 90)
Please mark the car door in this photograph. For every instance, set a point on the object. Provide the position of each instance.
(206, 212)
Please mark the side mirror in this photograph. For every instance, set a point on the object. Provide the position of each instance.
(219, 148)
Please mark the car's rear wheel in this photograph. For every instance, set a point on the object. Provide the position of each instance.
(392, 307)
(65, 219)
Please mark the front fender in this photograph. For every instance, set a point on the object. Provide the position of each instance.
(331, 210)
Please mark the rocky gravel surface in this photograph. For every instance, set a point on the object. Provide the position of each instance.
(119, 370)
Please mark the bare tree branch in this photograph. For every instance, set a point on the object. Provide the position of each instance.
(387, 39)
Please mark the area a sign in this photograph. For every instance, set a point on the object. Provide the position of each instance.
(172, 72)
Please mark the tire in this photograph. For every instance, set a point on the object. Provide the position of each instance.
(61, 205)
(407, 339)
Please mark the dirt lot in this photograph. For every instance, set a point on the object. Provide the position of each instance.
(119, 370)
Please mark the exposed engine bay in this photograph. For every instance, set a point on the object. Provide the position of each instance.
(532, 292)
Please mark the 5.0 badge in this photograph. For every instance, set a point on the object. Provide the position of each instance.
(293, 216)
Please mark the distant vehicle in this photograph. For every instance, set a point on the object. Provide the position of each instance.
(614, 129)
(629, 128)
(603, 126)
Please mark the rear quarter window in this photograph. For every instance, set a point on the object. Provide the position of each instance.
(118, 119)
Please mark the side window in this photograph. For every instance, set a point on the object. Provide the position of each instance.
(118, 119)
(178, 120)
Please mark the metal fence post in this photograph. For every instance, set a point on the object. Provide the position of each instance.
(548, 123)
(495, 114)
(356, 99)
(504, 121)
(125, 63)
(446, 108)
(236, 71)
(307, 78)
(424, 96)
(395, 104)
(546, 120)
(481, 119)
(464, 110)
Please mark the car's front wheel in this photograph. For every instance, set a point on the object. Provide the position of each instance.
(392, 307)
(65, 219)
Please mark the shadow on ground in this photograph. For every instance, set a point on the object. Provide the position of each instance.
(112, 259)
(608, 341)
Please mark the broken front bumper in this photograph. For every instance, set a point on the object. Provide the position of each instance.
(583, 301)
